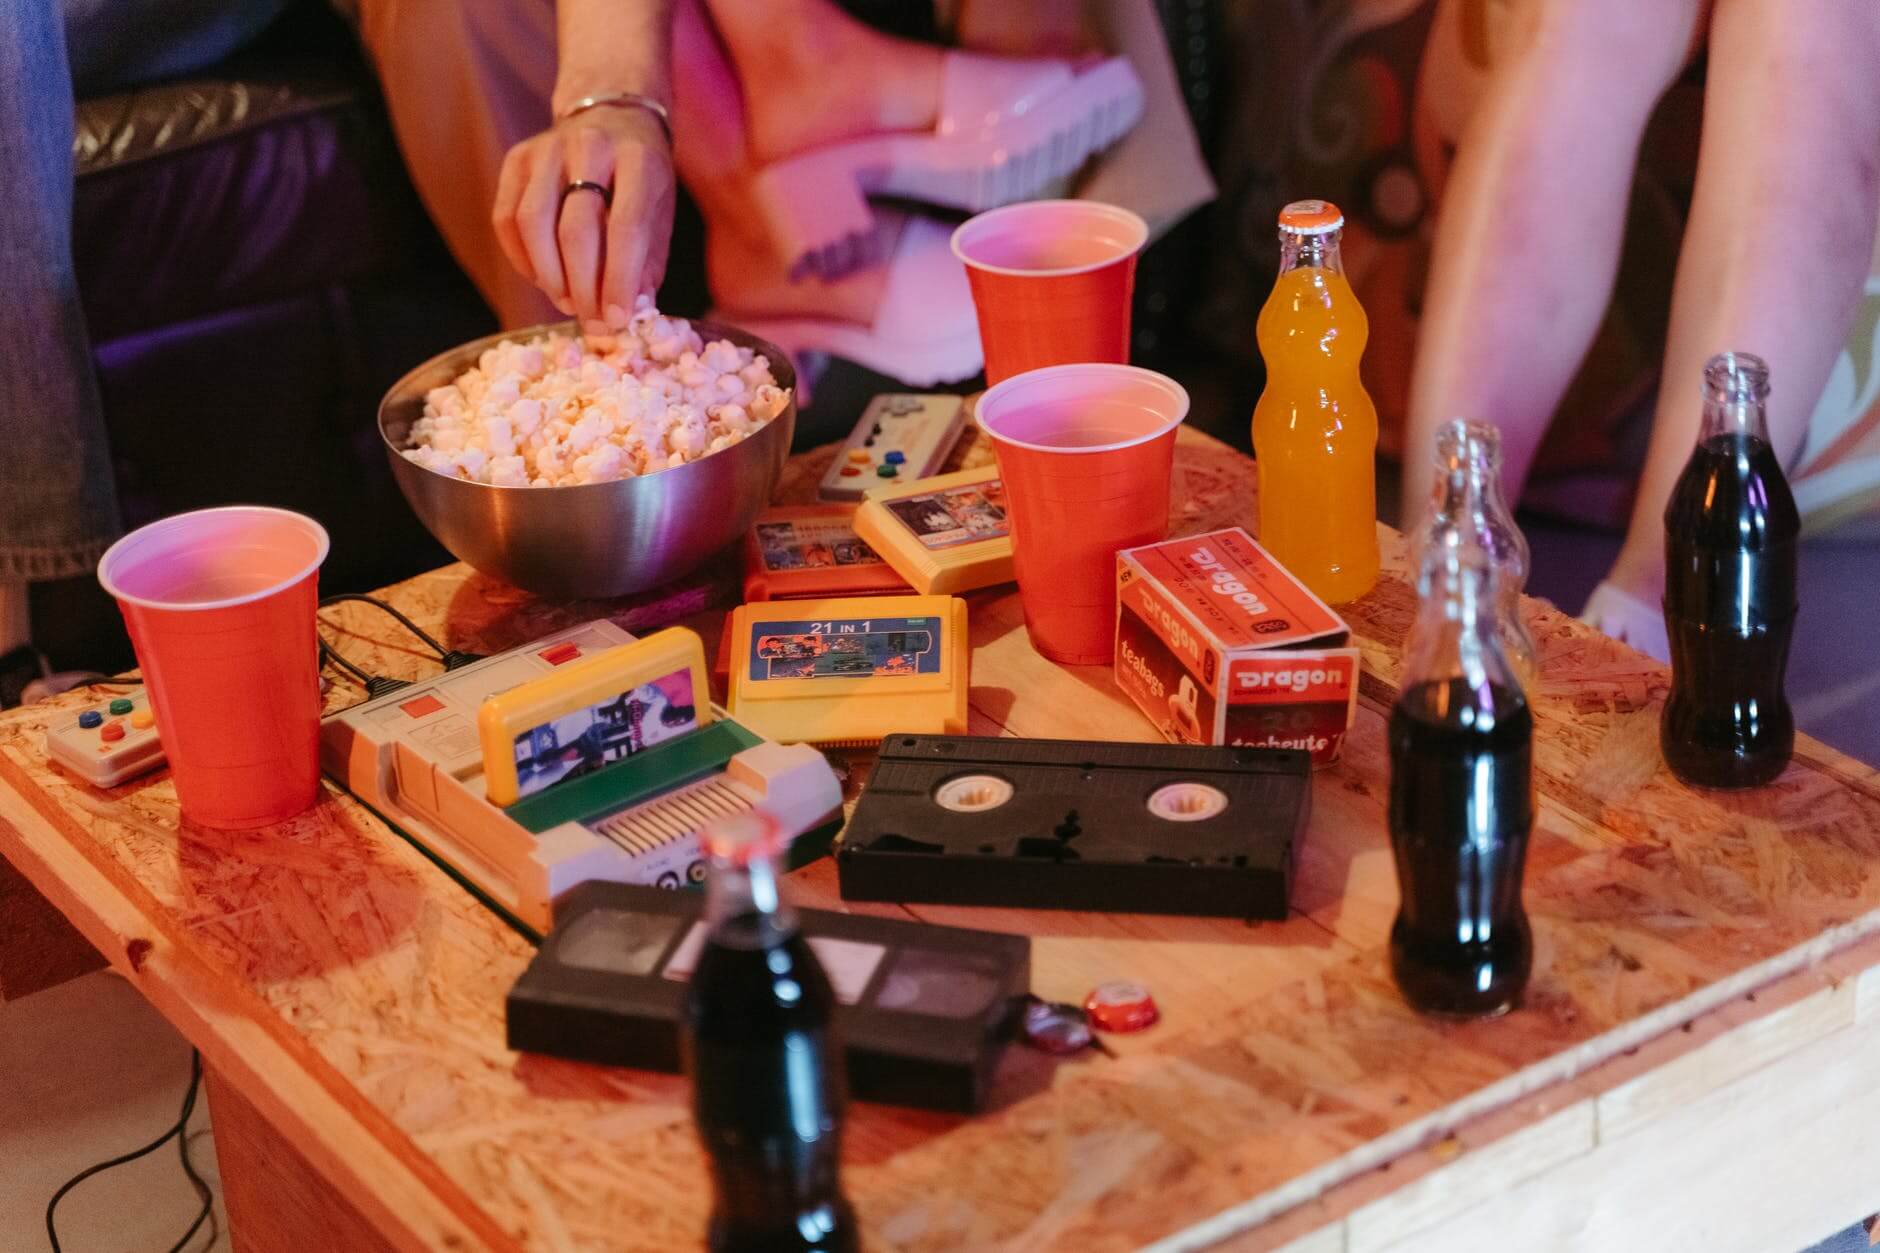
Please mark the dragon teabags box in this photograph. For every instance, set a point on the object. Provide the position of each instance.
(1217, 643)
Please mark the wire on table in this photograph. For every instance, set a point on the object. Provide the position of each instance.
(378, 685)
(402, 620)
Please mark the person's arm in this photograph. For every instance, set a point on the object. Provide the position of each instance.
(592, 258)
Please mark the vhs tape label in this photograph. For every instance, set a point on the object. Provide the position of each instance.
(846, 648)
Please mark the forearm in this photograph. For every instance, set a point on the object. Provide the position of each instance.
(609, 46)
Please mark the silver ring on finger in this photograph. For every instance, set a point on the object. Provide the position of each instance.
(605, 192)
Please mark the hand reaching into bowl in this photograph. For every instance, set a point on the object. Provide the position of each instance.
(584, 209)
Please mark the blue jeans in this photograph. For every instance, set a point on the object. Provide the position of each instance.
(1853, 1240)
(58, 504)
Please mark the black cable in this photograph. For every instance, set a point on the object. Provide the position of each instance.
(177, 1130)
(403, 621)
(203, 1191)
(379, 685)
(328, 653)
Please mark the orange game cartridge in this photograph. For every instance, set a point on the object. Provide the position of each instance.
(1218, 644)
(944, 535)
(806, 552)
(850, 671)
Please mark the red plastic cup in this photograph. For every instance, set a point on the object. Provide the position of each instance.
(1087, 453)
(220, 606)
(1052, 282)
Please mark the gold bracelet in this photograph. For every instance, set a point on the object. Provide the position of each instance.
(621, 100)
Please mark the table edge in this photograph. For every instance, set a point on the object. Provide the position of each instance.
(369, 1160)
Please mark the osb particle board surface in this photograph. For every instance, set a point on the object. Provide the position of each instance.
(1285, 1054)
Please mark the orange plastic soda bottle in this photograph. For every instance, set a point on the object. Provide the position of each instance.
(1315, 428)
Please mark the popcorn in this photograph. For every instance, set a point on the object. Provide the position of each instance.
(561, 409)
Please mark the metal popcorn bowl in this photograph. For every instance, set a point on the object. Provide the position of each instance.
(595, 540)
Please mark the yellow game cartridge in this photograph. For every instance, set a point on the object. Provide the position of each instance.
(850, 671)
(587, 713)
(944, 535)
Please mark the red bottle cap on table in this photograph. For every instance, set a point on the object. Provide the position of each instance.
(1121, 1006)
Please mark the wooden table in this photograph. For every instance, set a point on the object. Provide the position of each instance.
(1697, 1065)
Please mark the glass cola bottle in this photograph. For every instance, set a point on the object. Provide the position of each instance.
(1460, 799)
(766, 1070)
(1730, 590)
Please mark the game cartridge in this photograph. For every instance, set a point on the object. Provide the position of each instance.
(806, 552)
(847, 672)
(944, 535)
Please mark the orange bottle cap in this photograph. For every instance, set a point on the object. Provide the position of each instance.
(740, 837)
(1310, 217)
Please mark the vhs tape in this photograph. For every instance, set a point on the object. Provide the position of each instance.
(1074, 824)
(923, 1010)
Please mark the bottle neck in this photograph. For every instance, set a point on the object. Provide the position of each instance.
(1736, 397)
(1457, 630)
(1467, 498)
(739, 892)
(1452, 503)
(1298, 252)
(1471, 446)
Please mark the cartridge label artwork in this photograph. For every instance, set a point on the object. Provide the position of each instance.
(959, 515)
(846, 648)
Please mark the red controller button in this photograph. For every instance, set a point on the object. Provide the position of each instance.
(421, 706)
(560, 653)
(112, 730)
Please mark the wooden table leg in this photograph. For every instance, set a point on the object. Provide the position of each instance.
(38, 947)
(276, 1202)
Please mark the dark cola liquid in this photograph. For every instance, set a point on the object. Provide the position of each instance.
(1730, 535)
(768, 1092)
(1460, 809)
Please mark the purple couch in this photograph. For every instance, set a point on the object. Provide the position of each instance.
(256, 270)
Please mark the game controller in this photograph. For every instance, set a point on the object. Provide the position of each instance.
(108, 742)
(901, 435)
